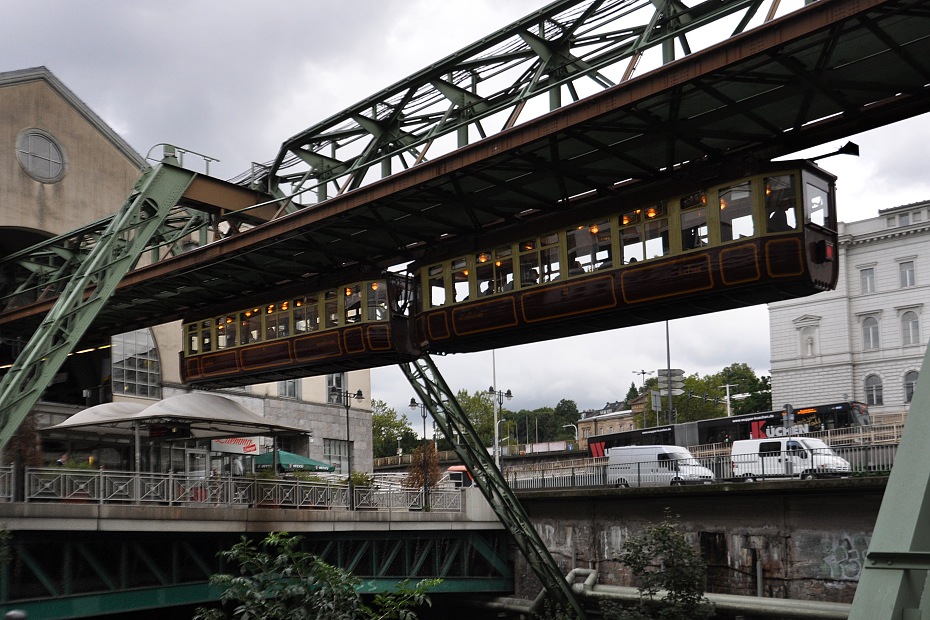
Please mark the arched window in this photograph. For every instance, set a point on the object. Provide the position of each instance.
(136, 368)
(873, 390)
(910, 382)
(910, 328)
(870, 333)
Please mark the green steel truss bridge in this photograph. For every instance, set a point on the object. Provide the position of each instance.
(579, 97)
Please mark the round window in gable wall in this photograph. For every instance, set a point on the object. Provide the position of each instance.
(41, 156)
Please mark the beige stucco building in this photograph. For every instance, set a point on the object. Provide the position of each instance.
(62, 167)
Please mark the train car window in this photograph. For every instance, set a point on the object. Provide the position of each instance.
(299, 313)
(484, 274)
(780, 207)
(549, 258)
(250, 326)
(193, 339)
(460, 284)
(694, 229)
(503, 269)
(656, 230)
(588, 247)
(225, 332)
(206, 336)
(603, 251)
(736, 211)
(817, 202)
(377, 301)
(277, 321)
(436, 286)
(631, 236)
(330, 309)
(353, 304)
(529, 263)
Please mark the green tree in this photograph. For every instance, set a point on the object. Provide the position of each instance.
(277, 581)
(386, 427)
(661, 559)
(632, 393)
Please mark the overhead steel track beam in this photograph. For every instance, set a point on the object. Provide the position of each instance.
(572, 45)
(87, 290)
(435, 394)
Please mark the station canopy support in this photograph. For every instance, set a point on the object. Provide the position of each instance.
(87, 290)
(452, 421)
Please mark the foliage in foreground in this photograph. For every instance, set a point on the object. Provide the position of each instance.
(662, 561)
(277, 580)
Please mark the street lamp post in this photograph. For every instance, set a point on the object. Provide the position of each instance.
(346, 397)
(643, 373)
(413, 405)
(500, 405)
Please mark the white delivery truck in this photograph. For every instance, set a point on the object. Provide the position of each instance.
(645, 466)
(805, 457)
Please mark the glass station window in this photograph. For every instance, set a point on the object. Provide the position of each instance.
(436, 286)
(250, 326)
(780, 212)
(503, 269)
(460, 285)
(226, 332)
(353, 303)
(736, 211)
(694, 221)
(377, 301)
(330, 309)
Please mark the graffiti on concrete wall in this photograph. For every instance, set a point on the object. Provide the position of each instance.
(844, 555)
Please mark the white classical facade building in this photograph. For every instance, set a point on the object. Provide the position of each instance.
(866, 340)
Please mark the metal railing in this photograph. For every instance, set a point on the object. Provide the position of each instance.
(57, 484)
(840, 461)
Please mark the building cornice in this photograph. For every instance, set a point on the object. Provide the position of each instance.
(42, 74)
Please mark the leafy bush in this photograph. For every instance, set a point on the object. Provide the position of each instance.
(278, 581)
(661, 560)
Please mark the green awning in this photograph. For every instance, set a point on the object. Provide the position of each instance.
(290, 461)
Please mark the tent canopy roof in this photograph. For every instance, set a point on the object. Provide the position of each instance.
(208, 416)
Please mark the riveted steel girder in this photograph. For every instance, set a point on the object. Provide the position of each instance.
(89, 284)
(894, 578)
(451, 419)
(572, 47)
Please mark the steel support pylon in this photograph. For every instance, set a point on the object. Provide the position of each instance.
(451, 419)
(88, 289)
(893, 582)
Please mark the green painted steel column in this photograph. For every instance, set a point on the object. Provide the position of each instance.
(451, 419)
(892, 585)
(90, 286)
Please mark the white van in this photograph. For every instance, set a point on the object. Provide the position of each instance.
(805, 457)
(651, 466)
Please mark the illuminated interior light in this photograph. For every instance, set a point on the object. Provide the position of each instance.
(270, 309)
(625, 220)
(768, 189)
(594, 229)
(298, 302)
(497, 263)
(374, 286)
(650, 212)
(229, 319)
(284, 306)
(723, 204)
(348, 291)
(482, 258)
(465, 272)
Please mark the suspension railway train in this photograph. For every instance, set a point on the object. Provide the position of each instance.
(831, 417)
(673, 251)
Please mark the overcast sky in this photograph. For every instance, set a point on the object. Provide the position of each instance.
(234, 79)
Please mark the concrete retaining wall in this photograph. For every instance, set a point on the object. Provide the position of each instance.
(810, 537)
